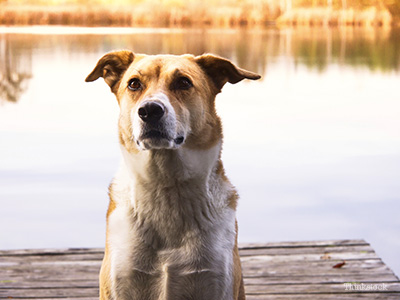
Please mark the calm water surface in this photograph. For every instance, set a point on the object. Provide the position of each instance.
(313, 148)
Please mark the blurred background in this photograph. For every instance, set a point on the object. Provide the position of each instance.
(313, 148)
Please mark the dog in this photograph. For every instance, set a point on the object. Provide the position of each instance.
(171, 221)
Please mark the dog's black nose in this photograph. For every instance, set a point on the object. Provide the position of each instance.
(151, 111)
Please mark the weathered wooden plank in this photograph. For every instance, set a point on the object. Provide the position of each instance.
(93, 282)
(49, 293)
(371, 296)
(251, 268)
(267, 289)
(321, 279)
(288, 270)
(338, 288)
(66, 298)
(310, 257)
(306, 250)
(274, 254)
(242, 246)
(49, 252)
(255, 256)
(328, 243)
(51, 271)
(23, 282)
(48, 275)
(44, 284)
(260, 268)
(313, 291)
(15, 260)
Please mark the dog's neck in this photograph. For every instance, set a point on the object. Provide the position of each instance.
(172, 166)
(175, 191)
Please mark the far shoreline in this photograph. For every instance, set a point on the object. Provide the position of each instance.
(195, 15)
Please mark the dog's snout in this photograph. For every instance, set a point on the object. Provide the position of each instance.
(151, 111)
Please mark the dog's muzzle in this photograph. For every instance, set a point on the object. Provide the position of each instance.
(157, 126)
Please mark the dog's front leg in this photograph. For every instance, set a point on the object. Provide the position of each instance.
(136, 286)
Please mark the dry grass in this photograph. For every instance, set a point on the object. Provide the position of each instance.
(144, 13)
(180, 13)
(368, 17)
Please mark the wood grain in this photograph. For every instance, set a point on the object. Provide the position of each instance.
(279, 271)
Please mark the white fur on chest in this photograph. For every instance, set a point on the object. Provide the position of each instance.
(172, 234)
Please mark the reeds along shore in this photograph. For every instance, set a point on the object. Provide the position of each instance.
(145, 14)
(344, 17)
(196, 13)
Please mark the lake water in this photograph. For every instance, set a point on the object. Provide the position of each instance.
(313, 148)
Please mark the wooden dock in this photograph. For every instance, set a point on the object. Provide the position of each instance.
(347, 269)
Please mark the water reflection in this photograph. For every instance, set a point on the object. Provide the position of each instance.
(316, 48)
(375, 49)
(15, 68)
(324, 143)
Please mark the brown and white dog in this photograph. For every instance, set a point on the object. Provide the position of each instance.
(171, 221)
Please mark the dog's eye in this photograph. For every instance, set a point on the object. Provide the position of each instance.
(134, 84)
(183, 83)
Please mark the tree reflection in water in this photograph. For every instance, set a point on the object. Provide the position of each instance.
(375, 49)
(15, 71)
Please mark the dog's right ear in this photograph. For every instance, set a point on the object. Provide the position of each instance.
(111, 67)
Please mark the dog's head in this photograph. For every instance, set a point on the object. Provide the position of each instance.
(167, 101)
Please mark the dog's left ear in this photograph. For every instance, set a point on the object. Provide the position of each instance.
(111, 67)
(222, 70)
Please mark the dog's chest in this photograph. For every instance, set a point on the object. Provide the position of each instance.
(170, 237)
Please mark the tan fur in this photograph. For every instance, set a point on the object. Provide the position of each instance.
(233, 199)
(104, 278)
(238, 285)
(173, 223)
